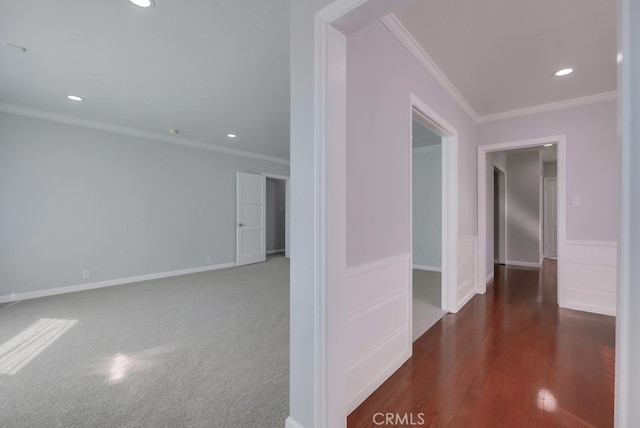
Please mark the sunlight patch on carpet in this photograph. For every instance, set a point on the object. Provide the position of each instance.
(18, 351)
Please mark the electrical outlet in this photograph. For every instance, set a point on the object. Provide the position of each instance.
(208, 259)
(85, 274)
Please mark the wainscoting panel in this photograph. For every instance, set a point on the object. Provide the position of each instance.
(378, 319)
(376, 282)
(589, 271)
(467, 268)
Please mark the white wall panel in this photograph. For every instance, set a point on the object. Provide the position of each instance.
(377, 324)
(590, 274)
(467, 262)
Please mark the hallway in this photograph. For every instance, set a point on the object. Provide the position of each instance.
(510, 358)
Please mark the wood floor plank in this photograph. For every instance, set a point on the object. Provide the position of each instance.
(509, 358)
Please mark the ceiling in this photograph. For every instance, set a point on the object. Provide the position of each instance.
(500, 54)
(209, 68)
(206, 68)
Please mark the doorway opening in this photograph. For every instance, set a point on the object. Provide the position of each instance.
(550, 207)
(426, 227)
(262, 217)
(500, 215)
(435, 254)
(275, 224)
(520, 221)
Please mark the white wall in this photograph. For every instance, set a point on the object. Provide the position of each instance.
(628, 320)
(523, 208)
(592, 161)
(381, 75)
(303, 362)
(587, 253)
(427, 207)
(77, 199)
(317, 377)
(275, 214)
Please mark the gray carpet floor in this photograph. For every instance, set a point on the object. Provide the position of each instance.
(204, 350)
(426, 301)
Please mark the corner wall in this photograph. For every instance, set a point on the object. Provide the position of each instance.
(627, 393)
(381, 75)
(587, 254)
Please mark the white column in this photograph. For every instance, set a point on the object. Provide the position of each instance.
(628, 311)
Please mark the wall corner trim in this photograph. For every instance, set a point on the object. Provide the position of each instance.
(406, 39)
(574, 102)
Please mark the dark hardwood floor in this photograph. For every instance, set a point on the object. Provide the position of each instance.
(510, 358)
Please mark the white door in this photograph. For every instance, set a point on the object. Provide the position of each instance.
(250, 218)
(551, 217)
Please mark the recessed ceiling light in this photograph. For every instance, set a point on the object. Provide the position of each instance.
(75, 98)
(563, 72)
(548, 145)
(142, 3)
(231, 135)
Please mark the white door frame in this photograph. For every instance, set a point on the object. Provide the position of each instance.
(287, 207)
(328, 255)
(449, 279)
(502, 253)
(545, 210)
(560, 140)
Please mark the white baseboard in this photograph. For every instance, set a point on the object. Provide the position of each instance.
(430, 268)
(292, 423)
(376, 380)
(463, 301)
(490, 276)
(281, 250)
(594, 309)
(108, 283)
(468, 283)
(523, 264)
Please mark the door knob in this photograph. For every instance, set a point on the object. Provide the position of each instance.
(241, 224)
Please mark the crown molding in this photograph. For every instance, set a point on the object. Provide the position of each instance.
(102, 126)
(575, 102)
(406, 39)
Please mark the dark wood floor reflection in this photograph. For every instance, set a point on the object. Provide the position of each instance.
(510, 358)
